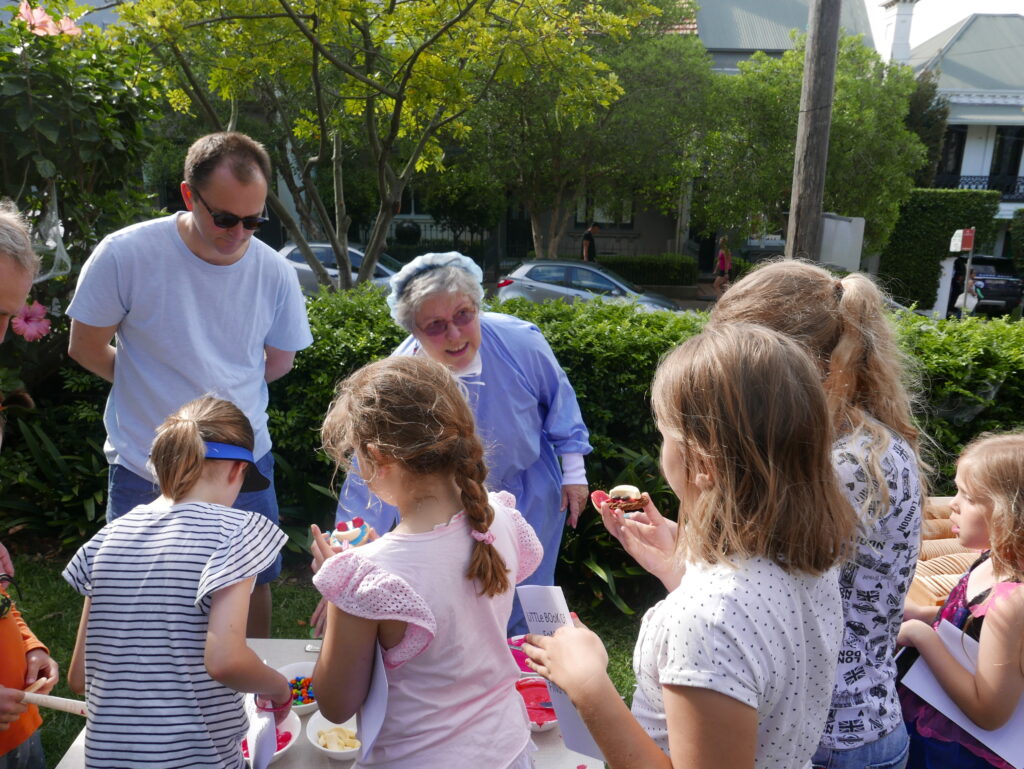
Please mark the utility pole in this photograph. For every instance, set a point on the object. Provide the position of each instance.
(803, 234)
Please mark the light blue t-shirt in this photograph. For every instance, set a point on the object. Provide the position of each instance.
(185, 328)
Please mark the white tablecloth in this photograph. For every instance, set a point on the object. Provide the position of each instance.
(551, 751)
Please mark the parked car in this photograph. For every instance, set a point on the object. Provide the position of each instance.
(544, 279)
(999, 288)
(386, 265)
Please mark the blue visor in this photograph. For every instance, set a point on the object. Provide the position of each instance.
(254, 479)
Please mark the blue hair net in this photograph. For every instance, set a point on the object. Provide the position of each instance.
(424, 263)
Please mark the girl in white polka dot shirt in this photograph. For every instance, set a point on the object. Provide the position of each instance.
(734, 668)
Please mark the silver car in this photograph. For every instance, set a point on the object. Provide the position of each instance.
(569, 281)
(386, 265)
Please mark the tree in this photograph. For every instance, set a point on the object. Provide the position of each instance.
(77, 104)
(397, 73)
(551, 151)
(872, 155)
(927, 118)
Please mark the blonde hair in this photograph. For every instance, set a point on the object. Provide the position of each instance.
(745, 405)
(843, 324)
(993, 469)
(411, 411)
(179, 451)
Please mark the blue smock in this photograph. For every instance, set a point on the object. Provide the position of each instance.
(527, 416)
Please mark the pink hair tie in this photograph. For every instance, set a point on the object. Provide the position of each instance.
(487, 537)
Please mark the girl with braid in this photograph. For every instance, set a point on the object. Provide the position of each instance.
(436, 591)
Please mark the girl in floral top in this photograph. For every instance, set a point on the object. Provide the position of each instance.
(988, 514)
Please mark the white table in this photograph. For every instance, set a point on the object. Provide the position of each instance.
(551, 751)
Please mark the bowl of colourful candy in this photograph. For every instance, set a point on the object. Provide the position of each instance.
(535, 694)
(300, 679)
(287, 734)
(336, 741)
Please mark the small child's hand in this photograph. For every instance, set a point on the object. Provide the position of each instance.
(278, 706)
(320, 547)
(11, 707)
(40, 665)
(912, 632)
(573, 658)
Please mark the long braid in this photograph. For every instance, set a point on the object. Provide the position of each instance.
(486, 565)
(412, 410)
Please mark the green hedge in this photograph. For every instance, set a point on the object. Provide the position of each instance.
(653, 269)
(52, 473)
(910, 264)
(1017, 238)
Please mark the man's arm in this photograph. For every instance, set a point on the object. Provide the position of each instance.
(279, 362)
(90, 347)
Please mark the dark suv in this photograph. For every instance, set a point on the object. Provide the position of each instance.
(999, 288)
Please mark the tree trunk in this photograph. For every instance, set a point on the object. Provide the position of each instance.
(683, 211)
(536, 230)
(279, 208)
(341, 218)
(560, 217)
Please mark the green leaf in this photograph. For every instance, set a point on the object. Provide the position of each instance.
(45, 167)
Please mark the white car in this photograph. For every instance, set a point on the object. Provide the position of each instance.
(386, 265)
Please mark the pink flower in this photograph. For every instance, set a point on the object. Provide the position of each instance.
(67, 26)
(38, 20)
(31, 322)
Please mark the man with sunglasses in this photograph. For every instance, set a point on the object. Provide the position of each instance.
(24, 660)
(197, 305)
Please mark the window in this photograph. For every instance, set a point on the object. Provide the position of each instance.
(1007, 151)
(588, 280)
(617, 215)
(952, 151)
(548, 273)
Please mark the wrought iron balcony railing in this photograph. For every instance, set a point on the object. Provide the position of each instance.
(1011, 187)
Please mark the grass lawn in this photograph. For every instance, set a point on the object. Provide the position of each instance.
(52, 609)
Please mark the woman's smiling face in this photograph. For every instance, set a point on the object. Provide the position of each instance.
(456, 346)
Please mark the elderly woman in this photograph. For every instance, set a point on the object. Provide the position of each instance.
(525, 408)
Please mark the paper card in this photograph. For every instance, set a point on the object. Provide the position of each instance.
(371, 714)
(1005, 741)
(546, 611)
(262, 735)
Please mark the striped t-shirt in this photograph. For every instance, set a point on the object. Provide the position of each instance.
(150, 575)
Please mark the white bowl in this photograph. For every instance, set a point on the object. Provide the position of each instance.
(299, 670)
(291, 724)
(318, 723)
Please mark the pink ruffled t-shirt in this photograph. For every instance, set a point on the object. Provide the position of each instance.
(452, 700)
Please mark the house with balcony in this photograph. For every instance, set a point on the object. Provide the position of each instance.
(980, 66)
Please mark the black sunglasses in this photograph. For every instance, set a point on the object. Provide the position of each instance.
(227, 221)
(5, 600)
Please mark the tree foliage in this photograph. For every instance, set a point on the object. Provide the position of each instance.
(75, 113)
(637, 141)
(927, 118)
(393, 74)
(911, 262)
(73, 136)
(872, 155)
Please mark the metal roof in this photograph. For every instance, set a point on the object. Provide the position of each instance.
(984, 53)
(765, 25)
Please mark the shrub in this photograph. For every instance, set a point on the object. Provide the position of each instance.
(653, 269)
(911, 262)
(1017, 238)
(52, 477)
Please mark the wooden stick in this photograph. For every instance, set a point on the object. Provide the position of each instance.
(37, 685)
(76, 707)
